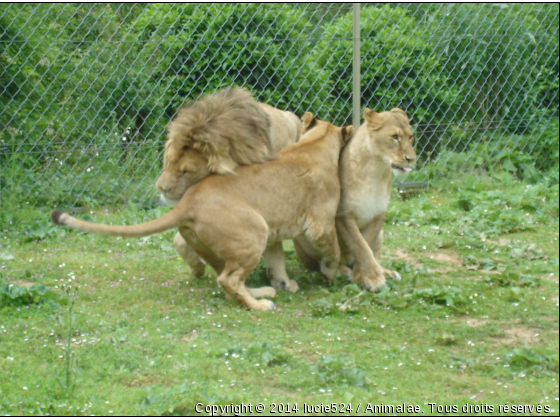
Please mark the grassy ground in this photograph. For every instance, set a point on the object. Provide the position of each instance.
(473, 323)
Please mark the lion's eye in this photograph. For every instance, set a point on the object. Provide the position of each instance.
(396, 137)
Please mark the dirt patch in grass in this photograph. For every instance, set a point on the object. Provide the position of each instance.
(190, 337)
(520, 335)
(142, 381)
(446, 257)
(475, 322)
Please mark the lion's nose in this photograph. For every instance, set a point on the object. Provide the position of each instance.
(410, 159)
(162, 188)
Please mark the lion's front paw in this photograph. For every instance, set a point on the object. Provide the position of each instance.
(329, 270)
(292, 286)
(391, 274)
(285, 284)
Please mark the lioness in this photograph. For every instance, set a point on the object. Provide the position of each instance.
(231, 220)
(215, 135)
(383, 144)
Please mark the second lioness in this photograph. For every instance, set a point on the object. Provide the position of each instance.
(381, 146)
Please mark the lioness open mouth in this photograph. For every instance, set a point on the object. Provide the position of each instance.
(405, 169)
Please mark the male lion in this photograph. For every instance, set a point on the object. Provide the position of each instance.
(231, 220)
(383, 144)
(215, 135)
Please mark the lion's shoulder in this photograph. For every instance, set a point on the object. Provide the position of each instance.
(285, 127)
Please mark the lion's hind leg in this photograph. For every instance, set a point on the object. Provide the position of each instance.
(195, 263)
(261, 292)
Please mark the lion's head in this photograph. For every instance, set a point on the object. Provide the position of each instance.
(392, 138)
(213, 136)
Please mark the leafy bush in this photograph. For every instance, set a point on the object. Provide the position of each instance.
(398, 66)
(526, 156)
(194, 48)
(504, 58)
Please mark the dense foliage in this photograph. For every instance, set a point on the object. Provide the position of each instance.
(89, 87)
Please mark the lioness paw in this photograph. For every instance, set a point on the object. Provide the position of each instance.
(264, 305)
(373, 283)
(392, 274)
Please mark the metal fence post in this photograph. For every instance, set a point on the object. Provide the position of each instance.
(356, 92)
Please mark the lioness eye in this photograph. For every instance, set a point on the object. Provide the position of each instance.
(395, 137)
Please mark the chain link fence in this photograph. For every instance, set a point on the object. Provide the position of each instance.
(86, 90)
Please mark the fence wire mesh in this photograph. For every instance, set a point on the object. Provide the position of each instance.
(86, 90)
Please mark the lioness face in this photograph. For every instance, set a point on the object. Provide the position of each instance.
(391, 135)
(183, 167)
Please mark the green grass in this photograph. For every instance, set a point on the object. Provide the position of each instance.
(473, 321)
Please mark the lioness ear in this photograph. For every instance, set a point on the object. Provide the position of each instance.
(374, 119)
(347, 133)
(308, 121)
(400, 112)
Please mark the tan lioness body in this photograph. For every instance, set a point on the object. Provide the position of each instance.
(232, 220)
(215, 135)
(382, 145)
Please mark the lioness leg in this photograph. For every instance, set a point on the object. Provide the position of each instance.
(195, 263)
(374, 238)
(367, 271)
(276, 268)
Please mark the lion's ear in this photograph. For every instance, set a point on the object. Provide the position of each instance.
(347, 133)
(374, 119)
(400, 112)
(308, 121)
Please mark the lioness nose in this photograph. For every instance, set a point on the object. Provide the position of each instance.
(410, 159)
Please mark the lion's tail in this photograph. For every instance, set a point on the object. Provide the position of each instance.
(167, 221)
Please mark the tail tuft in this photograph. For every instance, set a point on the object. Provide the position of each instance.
(56, 217)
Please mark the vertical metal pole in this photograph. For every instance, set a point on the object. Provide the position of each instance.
(356, 92)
